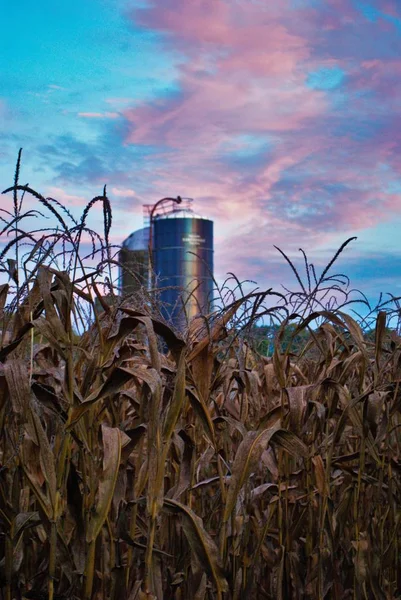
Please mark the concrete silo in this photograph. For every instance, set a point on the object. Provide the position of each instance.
(134, 261)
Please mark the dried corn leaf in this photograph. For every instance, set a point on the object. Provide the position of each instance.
(175, 407)
(298, 402)
(201, 410)
(379, 335)
(291, 443)
(361, 557)
(3, 298)
(200, 542)
(107, 481)
(247, 456)
(216, 331)
(24, 521)
(17, 378)
(46, 460)
(320, 475)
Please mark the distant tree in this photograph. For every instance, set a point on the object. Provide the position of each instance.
(265, 338)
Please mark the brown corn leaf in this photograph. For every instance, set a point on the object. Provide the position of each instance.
(134, 435)
(115, 382)
(108, 478)
(12, 269)
(349, 364)
(177, 401)
(374, 410)
(261, 489)
(201, 591)
(185, 468)
(141, 478)
(24, 521)
(56, 328)
(156, 455)
(248, 455)
(152, 340)
(4, 352)
(320, 474)
(200, 542)
(298, 402)
(3, 298)
(233, 423)
(173, 341)
(202, 370)
(45, 327)
(280, 363)
(356, 332)
(361, 557)
(272, 385)
(269, 461)
(17, 378)
(216, 331)
(201, 410)
(379, 335)
(291, 443)
(46, 460)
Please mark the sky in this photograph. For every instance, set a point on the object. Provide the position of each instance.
(281, 119)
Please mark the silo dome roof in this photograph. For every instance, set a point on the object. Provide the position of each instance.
(138, 240)
(182, 213)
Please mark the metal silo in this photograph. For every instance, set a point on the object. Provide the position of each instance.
(183, 263)
(134, 261)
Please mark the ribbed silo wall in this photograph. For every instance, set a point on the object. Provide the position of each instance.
(134, 260)
(183, 264)
(133, 270)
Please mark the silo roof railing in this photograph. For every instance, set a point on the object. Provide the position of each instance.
(181, 213)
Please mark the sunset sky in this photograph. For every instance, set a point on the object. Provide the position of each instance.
(281, 118)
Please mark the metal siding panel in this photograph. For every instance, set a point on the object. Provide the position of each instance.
(175, 266)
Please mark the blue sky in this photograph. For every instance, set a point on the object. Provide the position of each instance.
(281, 120)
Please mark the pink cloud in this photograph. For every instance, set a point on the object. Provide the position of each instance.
(69, 200)
(391, 8)
(243, 76)
(246, 74)
(199, 21)
(123, 192)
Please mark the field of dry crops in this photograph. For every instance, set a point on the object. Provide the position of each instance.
(138, 463)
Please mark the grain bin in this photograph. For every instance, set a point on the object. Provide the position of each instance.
(133, 258)
(183, 263)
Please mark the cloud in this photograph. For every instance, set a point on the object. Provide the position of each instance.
(294, 91)
(123, 192)
(238, 85)
(68, 200)
(279, 118)
(116, 101)
(98, 115)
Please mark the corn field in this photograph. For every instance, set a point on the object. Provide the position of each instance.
(137, 462)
